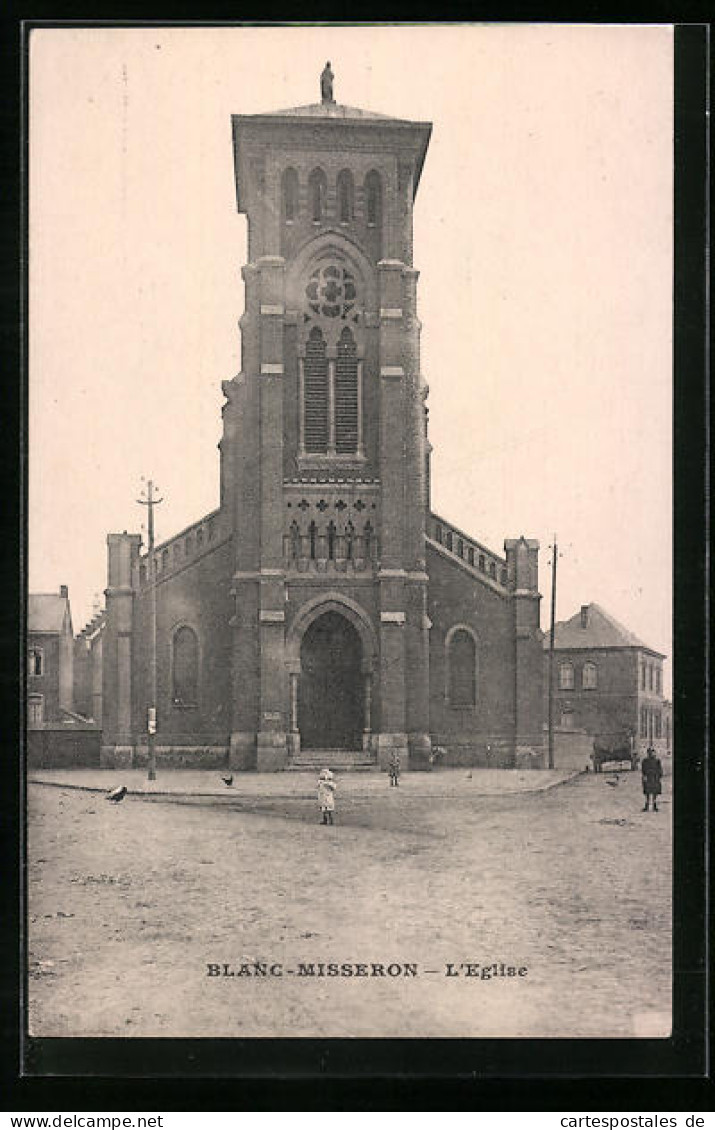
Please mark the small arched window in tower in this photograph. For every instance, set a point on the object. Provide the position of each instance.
(331, 540)
(460, 547)
(462, 669)
(35, 665)
(493, 570)
(373, 199)
(346, 196)
(318, 191)
(164, 559)
(316, 393)
(482, 563)
(470, 555)
(290, 195)
(312, 532)
(349, 540)
(142, 574)
(185, 667)
(448, 541)
(438, 533)
(346, 395)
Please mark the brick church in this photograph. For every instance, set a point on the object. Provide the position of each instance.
(323, 614)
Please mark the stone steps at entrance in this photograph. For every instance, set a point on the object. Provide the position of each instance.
(336, 759)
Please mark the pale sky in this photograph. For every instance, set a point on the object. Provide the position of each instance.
(543, 234)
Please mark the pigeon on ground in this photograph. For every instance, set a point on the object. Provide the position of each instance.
(228, 780)
(613, 783)
(117, 794)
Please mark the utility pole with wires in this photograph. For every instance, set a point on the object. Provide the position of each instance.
(150, 500)
(554, 559)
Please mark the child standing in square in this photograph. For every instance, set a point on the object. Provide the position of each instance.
(326, 795)
(393, 767)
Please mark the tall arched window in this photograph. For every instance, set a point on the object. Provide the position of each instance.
(461, 668)
(318, 192)
(185, 667)
(346, 395)
(566, 676)
(36, 661)
(316, 393)
(346, 196)
(589, 677)
(290, 195)
(373, 198)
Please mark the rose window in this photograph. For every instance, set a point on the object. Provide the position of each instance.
(332, 293)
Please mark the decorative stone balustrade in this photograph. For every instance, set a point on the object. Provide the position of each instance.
(469, 551)
(173, 555)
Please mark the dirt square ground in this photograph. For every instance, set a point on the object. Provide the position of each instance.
(133, 908)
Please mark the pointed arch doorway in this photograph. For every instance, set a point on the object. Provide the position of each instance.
(331, 694)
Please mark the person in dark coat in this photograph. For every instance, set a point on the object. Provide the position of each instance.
(652, 773)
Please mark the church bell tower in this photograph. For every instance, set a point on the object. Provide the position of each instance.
(324, 451)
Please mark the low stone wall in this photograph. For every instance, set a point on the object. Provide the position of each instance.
(471, 752)
(63, 747)
(572, 749)
(168, 757)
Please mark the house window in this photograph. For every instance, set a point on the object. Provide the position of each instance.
(346, 196)
(658, 683)
(658, 724)
(567, 719)
(290, 195)
(650, 676)
(318, 191)
(644, 722)
(566, 676)
(35, 709)
(373, 199)
(589, 677)
(643, 676)
(185, 681)
(462, 668)
(36, 661)
(470, 555)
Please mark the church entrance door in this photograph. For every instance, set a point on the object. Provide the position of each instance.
(330, 700)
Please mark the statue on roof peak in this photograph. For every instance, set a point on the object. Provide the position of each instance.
(326, 84)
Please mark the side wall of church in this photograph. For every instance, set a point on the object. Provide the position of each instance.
(482, 733)
(196, 597)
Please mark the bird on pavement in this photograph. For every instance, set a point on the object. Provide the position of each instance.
(117, 794)
(610, 781)
(228, 780)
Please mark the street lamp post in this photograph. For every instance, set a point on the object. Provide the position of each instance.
(150, 501)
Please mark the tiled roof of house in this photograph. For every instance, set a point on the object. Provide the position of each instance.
(46, 612)
(593, 627)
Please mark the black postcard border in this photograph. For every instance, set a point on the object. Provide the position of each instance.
(185, 1073)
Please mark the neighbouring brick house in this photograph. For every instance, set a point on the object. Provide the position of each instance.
(606, 680)
(88, 668)
(323, 613)
(50, 685)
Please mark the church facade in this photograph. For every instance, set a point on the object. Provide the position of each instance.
(322, 613)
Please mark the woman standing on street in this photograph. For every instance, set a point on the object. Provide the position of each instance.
(652, 773)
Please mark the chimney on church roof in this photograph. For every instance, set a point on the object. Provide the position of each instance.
(584, 615)
(64, 591)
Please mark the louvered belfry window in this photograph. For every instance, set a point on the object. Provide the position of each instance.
(346, 395)
(316, 393)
